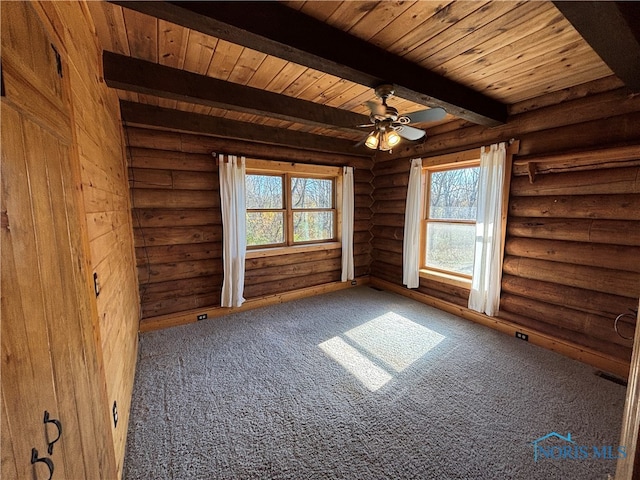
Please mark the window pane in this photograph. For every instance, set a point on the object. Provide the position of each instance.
(309, 226)
(264, 191)
(311, 193)
(265, 228)
(450, 247)
(453, 194)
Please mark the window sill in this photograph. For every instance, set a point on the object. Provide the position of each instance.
(308, 247)
(448, 278)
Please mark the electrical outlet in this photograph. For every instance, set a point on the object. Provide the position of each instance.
(202, 316)
(522, 336)
(115, 414)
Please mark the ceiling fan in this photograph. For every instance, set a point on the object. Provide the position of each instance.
(389, 126)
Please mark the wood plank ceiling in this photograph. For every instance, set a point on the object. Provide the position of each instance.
(505, 52)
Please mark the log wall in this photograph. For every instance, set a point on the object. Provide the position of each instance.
(177, 229)
(573, 237)
(570, 263)
(177, 222)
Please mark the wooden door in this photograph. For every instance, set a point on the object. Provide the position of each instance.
(50, 358)
(628, 468)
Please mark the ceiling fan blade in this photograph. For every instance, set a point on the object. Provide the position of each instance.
(410, 133)
(428, 115)
(367, 125)
(360, 143)
(376, 108)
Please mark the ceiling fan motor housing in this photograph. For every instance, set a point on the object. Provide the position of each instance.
(391, 113)
(384, 91)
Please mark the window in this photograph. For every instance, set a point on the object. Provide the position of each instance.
(449, 225)
(291, 204)
(265, 210)
(313, 206)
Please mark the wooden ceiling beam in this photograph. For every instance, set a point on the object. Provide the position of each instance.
(141, 76)
(178, 120)
(611, 29)
(283, 32)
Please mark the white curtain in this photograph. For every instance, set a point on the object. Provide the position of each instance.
(234, 241)
(485, 285)
(347, 224)
(411, 242)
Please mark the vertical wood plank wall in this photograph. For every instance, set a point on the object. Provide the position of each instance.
(178, 226)
(100, 146)
(51, 355)
(573, 241)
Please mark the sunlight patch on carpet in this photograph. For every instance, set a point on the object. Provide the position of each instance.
(390, 339)
(395, 340)
(354, 362)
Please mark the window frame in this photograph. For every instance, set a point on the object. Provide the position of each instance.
(291, 211)
(467, 159)
(287, 171)
(283, 210)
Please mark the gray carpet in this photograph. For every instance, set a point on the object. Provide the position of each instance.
(362, 384)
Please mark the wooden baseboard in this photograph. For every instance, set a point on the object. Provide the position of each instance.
(591, 357)
(191, 316)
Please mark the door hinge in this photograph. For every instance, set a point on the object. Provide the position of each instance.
(58, 60)
(2, 94)
(96, 284)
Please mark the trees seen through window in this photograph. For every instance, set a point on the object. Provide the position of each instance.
(288, 209)
(450, 216)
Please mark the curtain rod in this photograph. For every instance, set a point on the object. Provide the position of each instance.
(215, 155)
(513, 145)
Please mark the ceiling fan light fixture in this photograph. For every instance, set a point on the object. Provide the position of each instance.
(372, 140)
(389, 127)
(388, 138)
(393, 138)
